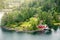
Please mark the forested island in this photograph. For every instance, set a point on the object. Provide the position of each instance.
(31, 13)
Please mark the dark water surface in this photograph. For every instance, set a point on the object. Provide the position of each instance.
(6, 35)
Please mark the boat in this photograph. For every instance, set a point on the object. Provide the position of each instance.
(43, 27)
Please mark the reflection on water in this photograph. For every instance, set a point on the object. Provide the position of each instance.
(54, 35)
(55, 28)
(1, 35)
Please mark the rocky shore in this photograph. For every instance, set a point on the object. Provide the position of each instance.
(33, 31)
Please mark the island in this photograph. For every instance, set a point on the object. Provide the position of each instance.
(30, 14)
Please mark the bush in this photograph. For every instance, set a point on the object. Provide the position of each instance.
(30, 25)
(17, 16)
(25, 17)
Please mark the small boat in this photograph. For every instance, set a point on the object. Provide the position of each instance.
(43, 27)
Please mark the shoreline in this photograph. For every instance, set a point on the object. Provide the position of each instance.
(10, 29)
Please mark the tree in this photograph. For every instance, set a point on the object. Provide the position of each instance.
(1, 4)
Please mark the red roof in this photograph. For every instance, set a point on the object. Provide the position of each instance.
(42, 26)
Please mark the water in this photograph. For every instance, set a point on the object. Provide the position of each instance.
(5, 35)
(8, 35)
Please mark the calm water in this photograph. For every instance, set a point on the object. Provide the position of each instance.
(7, 35)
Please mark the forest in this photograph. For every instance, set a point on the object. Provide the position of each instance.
(28, 15)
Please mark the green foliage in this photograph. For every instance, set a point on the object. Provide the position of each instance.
(1, 4)
(34, 22)
(26, 26)
(28, 15)
(30, 25)
(17, 16)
